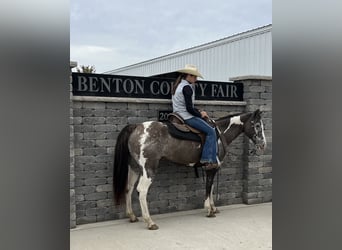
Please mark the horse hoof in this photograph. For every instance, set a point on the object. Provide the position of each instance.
(134, 220)
(211, 215)
(153, 227)
(217, 211)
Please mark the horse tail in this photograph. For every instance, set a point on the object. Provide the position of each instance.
(121, 158)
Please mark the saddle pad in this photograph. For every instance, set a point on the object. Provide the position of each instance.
(182, 135)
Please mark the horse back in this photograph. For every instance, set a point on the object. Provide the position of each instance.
(147, 137)
(153, 141)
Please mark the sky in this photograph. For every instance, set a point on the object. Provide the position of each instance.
(110, 34)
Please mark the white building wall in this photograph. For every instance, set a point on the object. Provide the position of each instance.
(247, 53)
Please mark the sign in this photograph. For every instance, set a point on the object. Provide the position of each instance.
(85, 84)
(162, 115)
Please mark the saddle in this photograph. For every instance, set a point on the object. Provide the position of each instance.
(179, 123)
(179, 129)
(187, 132)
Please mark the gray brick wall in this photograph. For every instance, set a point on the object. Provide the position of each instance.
(96, 125)
(72, 160)
(72, 175)
(257, 183)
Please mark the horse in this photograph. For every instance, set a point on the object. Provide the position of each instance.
(140, 147)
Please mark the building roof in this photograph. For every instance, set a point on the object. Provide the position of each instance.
(171, 62)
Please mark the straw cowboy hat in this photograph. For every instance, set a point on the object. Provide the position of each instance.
(190, 69)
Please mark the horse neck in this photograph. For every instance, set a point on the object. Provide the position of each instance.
(229, 130)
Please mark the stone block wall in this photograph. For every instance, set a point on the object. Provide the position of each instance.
(72, 158)
(257, 178)
(96, 127)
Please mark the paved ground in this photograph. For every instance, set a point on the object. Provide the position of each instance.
(236, 227)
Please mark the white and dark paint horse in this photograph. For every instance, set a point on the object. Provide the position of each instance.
(139, 148)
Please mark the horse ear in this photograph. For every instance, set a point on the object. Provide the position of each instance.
(257, 113)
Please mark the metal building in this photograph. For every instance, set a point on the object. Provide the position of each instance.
(246, 53)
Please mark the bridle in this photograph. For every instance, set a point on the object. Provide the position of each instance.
(258, 132)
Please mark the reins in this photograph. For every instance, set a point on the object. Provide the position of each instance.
(224, 153)
(224, 146)
(217, 182)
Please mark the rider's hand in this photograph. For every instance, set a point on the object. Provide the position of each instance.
(204, 114)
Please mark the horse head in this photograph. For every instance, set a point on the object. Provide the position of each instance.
(254, 129)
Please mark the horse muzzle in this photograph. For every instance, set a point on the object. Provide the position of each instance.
(260, 146)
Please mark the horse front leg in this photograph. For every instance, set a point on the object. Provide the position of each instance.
(143, 186)
(132, 178)
(209, 201)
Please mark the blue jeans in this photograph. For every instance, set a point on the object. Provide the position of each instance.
(210, 147)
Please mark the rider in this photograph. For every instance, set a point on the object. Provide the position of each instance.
(183, 97)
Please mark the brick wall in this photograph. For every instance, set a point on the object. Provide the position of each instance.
(72, 158)
(96, 125)
(257, 178)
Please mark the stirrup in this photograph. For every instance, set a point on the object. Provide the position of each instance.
(209, 166)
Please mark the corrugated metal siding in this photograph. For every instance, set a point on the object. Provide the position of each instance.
(248, 53)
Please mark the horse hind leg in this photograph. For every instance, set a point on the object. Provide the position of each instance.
(143, 186)
(132, 178)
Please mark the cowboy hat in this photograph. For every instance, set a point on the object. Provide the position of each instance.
(190, 69)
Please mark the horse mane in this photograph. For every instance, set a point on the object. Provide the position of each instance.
(228, 116)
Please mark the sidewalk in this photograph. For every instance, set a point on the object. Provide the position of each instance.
(236, 227)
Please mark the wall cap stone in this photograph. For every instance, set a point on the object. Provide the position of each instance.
(250, 77)
(147, 100)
